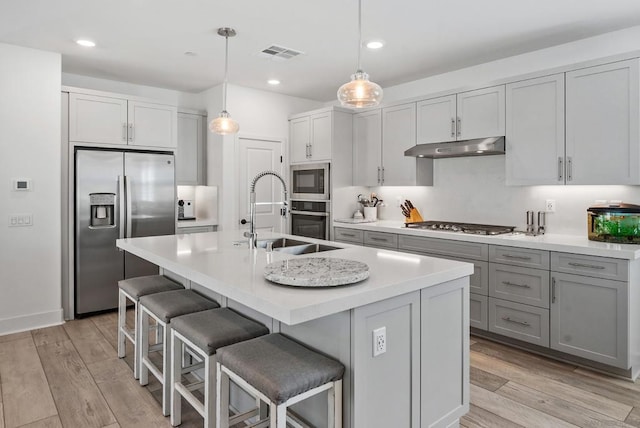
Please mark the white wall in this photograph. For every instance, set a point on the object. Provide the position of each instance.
(181, 99)
(474, 189)
(30, 257)
(260, 114)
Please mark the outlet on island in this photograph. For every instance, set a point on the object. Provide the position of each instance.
(379, 341)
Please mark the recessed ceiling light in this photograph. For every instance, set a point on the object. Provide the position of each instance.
(273, 82)
(189, 53)
(86, 43)
(375, 44)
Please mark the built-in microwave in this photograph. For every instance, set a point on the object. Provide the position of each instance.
(310, 181)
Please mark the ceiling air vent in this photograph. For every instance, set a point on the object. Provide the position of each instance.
(279, 52)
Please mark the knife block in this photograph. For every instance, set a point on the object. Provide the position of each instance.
(414, 216)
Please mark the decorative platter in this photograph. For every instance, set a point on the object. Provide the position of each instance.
(316, 272)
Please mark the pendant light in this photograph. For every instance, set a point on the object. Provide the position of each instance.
(224, 124)
(360, 92)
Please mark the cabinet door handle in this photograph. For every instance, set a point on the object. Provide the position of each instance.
(350, 235)
(131, 132)
(453, 127)
(511, 256)
(373, 238)
(582, 265)
(124, 132)
(514, 284)
(553, 290)
(310, 151)
(379, 175)
(560, 169)
(524, 323)
(459, 127)
(569, 169)
(382, 180)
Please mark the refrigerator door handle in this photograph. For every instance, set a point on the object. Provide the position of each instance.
(127, 182)
(121, 207)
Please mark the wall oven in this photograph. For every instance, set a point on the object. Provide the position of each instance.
(310, 219)
(310, 181)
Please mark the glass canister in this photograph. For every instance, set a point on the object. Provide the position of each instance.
(618, 223)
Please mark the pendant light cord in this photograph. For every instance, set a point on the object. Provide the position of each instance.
(226, 71)
(359, 35)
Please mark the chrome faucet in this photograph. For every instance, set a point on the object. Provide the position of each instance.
(251, 234)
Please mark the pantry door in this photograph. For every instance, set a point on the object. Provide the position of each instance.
(255, 156)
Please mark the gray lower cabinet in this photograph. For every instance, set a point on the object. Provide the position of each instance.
(478, 311)
(519, 284)
(352, 236)
(524, 257)
(589, 318)
(523, 322)
(444, 247)
(380, 240)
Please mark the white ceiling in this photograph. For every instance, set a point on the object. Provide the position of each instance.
(143, 41)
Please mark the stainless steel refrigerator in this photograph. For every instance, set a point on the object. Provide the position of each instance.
(118, 194)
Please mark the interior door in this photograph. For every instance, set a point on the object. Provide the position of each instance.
(256, 156)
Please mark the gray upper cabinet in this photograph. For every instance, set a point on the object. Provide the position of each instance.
(463, 116)
(310, 138)
(535, 131)
(481, 113)
(113, 120)
(603, 141)
(191, 153)
(398, 135)
(436, 120)
(367, 148)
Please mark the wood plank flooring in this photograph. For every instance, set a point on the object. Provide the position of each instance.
(70, 376)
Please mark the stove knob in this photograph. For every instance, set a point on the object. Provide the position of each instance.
(456, 228)
(447, 227)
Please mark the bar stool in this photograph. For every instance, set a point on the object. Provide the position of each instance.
(280, 372)
(163, 307)
(204, 332)
(132, 289)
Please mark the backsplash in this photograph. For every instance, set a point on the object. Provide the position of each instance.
(474, 190)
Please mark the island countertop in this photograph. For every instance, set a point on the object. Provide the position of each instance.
(222, 262)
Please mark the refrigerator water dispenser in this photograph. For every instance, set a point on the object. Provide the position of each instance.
(102, 210)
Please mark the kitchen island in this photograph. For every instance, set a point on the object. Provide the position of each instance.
(423, 377)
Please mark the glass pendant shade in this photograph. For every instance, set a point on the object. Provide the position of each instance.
(360, 92)
(224, 124)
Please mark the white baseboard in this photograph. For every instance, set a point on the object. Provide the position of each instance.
(30, 322)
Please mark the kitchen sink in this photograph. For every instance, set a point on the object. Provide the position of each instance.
(293, 246)
(280, 243)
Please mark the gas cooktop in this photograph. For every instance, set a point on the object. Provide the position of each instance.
(447, 226)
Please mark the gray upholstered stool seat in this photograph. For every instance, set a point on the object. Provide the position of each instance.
(171, 304)
(213, 329)
(144, 285)
(202, 333)
(132, 289)
(163, 307)
(281, 373)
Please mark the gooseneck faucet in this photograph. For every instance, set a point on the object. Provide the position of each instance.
(251, 234)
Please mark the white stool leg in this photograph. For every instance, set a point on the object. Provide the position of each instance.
(122, 318)
(136, 338)
(143, 332)
(337, 407)
(222, 398)
(278, 417)
(176, 404)
(166, 372)
(209, 392)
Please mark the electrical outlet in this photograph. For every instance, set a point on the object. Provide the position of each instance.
(379, 341)
(550, 205)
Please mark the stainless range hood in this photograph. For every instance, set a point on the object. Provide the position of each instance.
(475, 147)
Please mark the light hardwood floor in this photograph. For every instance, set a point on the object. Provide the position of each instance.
(70, 376)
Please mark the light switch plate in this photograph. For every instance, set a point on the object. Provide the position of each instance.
(20, 220)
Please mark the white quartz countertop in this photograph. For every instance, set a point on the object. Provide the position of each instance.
(550, 242)
(223, 263)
